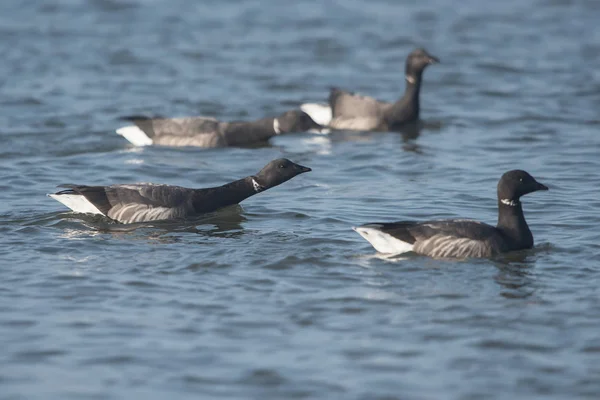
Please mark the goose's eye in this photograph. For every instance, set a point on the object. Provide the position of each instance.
(520, 179)
(281, 166)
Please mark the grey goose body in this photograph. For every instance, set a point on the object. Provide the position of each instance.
(209, 132)
(150, 202)
(350, 111)
(462, 238)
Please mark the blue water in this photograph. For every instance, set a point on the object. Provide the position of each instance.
(279, 298)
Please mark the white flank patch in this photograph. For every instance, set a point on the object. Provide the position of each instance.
(276, 126)
(77, 203)
(320, 113)
(134, 212)
(382, 242)
(135, 135)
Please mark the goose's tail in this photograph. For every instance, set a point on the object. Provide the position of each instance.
(382, 242)
(320, 113)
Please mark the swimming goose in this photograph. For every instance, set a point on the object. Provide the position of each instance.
(349, 111)
(144, 202)
(462, 238)
(209, 132)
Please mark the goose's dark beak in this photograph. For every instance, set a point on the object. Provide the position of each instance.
(541, 187)
(302, 169)
(433, 60)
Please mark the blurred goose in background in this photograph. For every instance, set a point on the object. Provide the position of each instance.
(349, 111)
(209, 132)
(462, 238)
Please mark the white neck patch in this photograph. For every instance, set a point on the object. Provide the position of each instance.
(276, 126)
(256, 186)
(410, 79)
(508, 202)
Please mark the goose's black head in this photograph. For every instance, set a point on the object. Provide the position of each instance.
(296, 121)
(517, 183)
(417, 61)
(278, 171)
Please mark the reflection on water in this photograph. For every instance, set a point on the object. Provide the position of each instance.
(517, 280)
(409, 133)
(365, 261)
(323, 144)
(516, 272)
(226, 223)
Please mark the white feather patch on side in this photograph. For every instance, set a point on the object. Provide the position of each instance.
(77, 203)
(134, 212)
(135, 135)
(383, 242)
(320, 113)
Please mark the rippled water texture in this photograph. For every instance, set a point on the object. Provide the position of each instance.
(279, 298)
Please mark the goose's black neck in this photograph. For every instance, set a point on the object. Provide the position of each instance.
(413, 84)
(211, 199)
(406, 109)
(413, 75)
(511, 221)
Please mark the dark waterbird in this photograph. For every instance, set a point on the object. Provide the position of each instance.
(350, 111)
(209, 132)
(151, 202)
(462, 238)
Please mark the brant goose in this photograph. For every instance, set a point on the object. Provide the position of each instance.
(150, 202)
(350, 111)
(209, 132)
(462, 238)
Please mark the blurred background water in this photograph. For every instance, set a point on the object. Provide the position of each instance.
(279, 298)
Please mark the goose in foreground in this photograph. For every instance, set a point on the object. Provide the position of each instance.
(144, 202)
(351, 111)
(462, 238)
(209, 132)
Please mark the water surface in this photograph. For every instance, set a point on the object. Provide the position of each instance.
(279, 298)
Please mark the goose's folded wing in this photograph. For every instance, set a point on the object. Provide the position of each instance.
(136, 202)
(348, 105)
(186, 126)
(448, 238)
(459, 228)
(148, 202)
